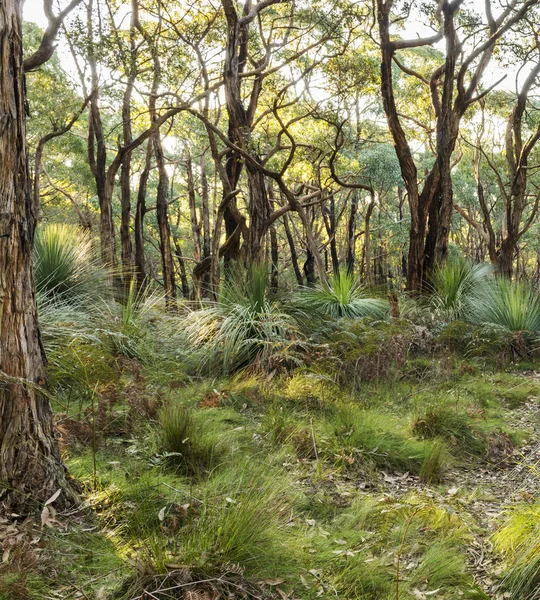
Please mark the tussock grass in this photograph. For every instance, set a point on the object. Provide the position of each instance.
(455, 284)
(514, 308)
(378, 438)
(245, 326)
(452, 426)
(519, 541)
(185, 442)
(65, 266)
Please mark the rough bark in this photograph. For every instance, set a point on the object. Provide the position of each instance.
(351, 233)
(31, 469)
(162, 215)
(195, 226)
(292, 249)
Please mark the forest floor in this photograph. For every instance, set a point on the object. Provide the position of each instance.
(416, 486)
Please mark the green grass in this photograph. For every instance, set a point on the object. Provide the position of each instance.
(185, 442)
(379, 438)
(519, 541)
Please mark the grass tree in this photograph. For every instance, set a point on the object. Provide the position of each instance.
(342, 296)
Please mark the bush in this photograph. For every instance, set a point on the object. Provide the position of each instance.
(366, 349)
(244, 327)
(514, 308)
(455, 283)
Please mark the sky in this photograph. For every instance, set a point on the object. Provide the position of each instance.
(33, 11)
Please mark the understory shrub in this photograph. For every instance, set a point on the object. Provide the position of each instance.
(65, 266)
(366, 349)
(454, 285)
(513, 308)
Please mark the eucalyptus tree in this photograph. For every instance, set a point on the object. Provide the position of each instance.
(269, 51)
(31, 469)
(453, 87)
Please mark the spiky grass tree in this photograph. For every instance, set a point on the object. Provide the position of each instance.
(454, 283)
(31, 469)
(65, 267)
(513, 308)
(244, 325)
(342, 296)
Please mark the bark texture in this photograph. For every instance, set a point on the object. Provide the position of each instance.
(31, 469)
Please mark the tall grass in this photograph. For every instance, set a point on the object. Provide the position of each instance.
(511, 307)
(518, 539)
(342, 296)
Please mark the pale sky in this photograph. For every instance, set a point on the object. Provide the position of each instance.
(33, 11)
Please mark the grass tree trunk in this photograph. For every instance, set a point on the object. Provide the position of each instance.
(31, 469)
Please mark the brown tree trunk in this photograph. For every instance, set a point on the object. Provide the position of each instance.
(205, 220)
(31, 469)
(292, 248)
(195, 226)
(162, 215)
(140, 263)
(329, 215)
(125, 188)
(259, 211)
(182, 267)
(351, 233)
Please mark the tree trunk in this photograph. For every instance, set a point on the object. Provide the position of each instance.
(259, 211)
(195, 227)
(31, 469)
(125, 187)
(292, 248)
(140, 263)
(182, 267)
(205, 220)
(351, 233)
(329, 215)
(162, 215)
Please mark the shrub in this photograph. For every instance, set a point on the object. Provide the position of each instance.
(242, 328)
(366, 349)
(454, 284)
(514, 308)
